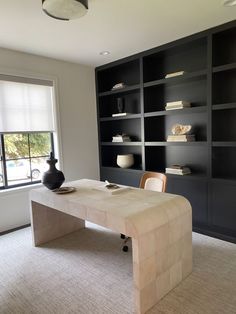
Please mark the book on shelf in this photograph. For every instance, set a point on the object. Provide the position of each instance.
(120, 114)
(177, 105)
(175, 74)
(119, 139)
(179, 170)
(181, 138)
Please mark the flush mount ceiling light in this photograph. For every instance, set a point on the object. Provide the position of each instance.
(65, 9)
(229, 3)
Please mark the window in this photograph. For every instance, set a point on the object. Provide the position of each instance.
(26, 130)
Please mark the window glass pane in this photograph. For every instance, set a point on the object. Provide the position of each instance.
(16, 146)
(38, 167)
(1, 175)
(40, 144)
(18, 171)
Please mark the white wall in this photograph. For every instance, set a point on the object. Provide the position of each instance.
(78, 126)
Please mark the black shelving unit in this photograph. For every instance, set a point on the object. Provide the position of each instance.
(208, 60)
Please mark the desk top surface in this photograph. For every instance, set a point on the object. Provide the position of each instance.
(131, 211)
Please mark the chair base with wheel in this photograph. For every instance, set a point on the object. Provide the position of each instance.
(153, 181)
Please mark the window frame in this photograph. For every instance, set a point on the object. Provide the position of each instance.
(55, 136)
(4, 160)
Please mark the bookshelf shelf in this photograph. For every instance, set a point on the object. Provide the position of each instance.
(208, 60)
(178, 79)
(224, 106)
(121, 143)
(190, 110)
(129, 116)
(120, 90)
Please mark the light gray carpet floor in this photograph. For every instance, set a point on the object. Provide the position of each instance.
(86, 272)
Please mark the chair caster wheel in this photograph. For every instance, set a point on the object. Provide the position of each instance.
(122, 236)
(125, 248)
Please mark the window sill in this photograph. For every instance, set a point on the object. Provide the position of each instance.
(20, 189)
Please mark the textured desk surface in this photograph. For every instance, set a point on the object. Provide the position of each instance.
(132, 212)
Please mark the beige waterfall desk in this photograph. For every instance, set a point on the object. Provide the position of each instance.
(159, 224)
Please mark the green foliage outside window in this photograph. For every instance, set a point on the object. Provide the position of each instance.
(25, 145)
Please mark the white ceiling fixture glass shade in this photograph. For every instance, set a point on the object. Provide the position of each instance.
(25, 107)
(229, 3)
(65, 9)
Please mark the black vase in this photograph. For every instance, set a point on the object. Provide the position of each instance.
(53, 178)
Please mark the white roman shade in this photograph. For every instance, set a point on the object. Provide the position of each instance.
(26, 105)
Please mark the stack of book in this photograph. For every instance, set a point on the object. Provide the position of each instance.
(121, 138)
(181, 104)
(174, 74)
(179, 170)
(181, 138)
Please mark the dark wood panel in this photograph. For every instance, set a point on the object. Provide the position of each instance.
(224, 47)
(121, 176)
(196, 193)
(223, 207)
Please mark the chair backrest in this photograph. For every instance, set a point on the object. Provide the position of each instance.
(153, 181)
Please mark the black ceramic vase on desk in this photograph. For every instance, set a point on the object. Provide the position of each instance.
(53, 178)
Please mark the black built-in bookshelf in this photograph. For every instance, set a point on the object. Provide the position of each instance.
(209, 84)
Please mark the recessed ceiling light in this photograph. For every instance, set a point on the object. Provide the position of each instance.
(104, 53)
(229, 3)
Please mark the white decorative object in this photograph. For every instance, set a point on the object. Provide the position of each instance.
(125, 161)
(180, 129)
(118, 86)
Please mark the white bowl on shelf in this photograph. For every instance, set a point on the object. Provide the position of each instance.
(125, 161)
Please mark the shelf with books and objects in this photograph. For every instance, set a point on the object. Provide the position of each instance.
(158, 158)
(126, 74)
(109, 155)
(161, 97)
(113, 130)
(120, 105)
(176, 62)
(159, 128)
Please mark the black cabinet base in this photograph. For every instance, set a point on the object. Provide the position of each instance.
(215, 234)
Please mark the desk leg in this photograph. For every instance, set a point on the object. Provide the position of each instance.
(162, 258)
(48, 223)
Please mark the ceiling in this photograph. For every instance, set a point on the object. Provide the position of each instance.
(123, 27)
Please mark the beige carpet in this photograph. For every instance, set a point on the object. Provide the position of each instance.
(86, 272)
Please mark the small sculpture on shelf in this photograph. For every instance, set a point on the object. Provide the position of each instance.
(118, 86)
(180, 129)
(120, 105)
(180, 133)
(120, 108)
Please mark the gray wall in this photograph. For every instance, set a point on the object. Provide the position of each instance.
(78, 126)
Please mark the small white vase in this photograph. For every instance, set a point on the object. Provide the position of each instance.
(125, 161)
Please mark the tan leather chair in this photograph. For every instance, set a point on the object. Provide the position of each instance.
(153, 181)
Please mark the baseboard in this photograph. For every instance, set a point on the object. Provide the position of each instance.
(215, 234)
(14, 229)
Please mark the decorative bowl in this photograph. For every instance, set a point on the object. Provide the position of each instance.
(125, 161)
